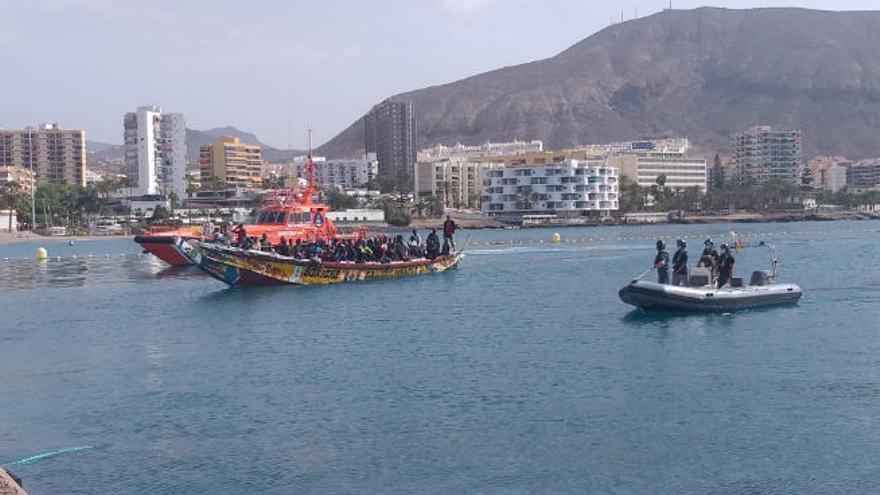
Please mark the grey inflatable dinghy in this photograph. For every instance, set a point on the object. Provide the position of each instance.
(701, 295)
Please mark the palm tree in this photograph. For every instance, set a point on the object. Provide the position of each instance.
(11, 197)
(173, 200)
(525, 198)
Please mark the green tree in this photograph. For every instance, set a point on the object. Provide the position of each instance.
(173, 200)
(338, 200)
(525, 198)
(807, 178)
(160, 212)
(13, 197)
(717, 173)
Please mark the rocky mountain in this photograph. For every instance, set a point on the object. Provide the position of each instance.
(703, 73)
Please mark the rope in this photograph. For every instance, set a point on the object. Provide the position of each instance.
(40, 457)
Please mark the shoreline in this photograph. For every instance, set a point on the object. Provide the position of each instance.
(28, 236)
(489, 223)
(493, 224)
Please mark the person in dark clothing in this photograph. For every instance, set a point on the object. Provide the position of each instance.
(709, 257)
(679, 264)
(432, 245)
(449, 230)
(240, 235)
(661, 263)
(283, 248)
(725, 266)
(445, 250)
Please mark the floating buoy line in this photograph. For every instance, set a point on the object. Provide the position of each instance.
(556, 238)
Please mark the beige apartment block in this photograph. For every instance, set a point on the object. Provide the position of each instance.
(236, 164)
(56, 155)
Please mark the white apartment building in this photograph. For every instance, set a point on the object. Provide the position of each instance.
(155, 151)
(458, 183)
(571, 186)
(346, 173)
(461, 151)
(680, 170)
(645, 161)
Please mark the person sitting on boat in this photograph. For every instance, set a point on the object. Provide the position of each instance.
(240, 235)
(709, 257)
(264, 241)
(415, 244)
(207, 229)
(283, 248)
(449, 231)
(679, 264)
(725, 266)
(400, 248)
(432, 245)
(661, 263)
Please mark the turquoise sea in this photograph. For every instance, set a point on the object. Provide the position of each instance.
(521, 372)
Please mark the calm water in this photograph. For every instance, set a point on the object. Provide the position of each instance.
(519, 373)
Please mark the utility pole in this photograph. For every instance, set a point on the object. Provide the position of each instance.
(31, 148)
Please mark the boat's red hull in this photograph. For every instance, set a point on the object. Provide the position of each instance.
(165, 248)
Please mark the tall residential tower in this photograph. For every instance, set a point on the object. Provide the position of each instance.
(390, 129)
(155, 151)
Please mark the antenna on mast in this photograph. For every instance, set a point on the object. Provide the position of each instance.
(311, 189)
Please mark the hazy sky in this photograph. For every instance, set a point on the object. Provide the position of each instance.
(273, 67)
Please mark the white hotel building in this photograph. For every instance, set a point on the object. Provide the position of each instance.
(570, 187)
(645, 161)
(155, 151)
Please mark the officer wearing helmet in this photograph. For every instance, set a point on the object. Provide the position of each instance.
(725, 266)
(679, 263)
(661, 263)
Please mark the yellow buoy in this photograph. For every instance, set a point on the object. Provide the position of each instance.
(42, 254)
(556, 238)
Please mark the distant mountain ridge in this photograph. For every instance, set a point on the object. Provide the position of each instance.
(705, 74)
(99, 151)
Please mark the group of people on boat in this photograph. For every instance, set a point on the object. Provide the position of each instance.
(720, 265)
(381, 248)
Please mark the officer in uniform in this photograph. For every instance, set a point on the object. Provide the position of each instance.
(679, 264)
(661, 263)
(725, 266)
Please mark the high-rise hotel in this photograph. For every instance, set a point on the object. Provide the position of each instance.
(56, 155)
(155, 151)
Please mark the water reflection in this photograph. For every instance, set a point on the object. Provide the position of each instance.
(77, 272)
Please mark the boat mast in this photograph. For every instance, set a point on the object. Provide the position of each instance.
(310, 190)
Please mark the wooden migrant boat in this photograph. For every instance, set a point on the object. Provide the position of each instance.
(235, 266)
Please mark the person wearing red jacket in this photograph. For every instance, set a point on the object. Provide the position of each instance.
(449, 231)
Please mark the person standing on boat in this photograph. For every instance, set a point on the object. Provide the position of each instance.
(449, 230)
(679, 264)
(725, 266)
(661, 263)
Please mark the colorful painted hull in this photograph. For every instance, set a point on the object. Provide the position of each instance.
(234, 266)
(170, 248)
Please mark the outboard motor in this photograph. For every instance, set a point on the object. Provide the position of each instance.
(761, 277)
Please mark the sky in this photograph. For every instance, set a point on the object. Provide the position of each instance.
(277, 67)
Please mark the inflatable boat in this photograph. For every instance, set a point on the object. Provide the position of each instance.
(700, 294)
(661, 297)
